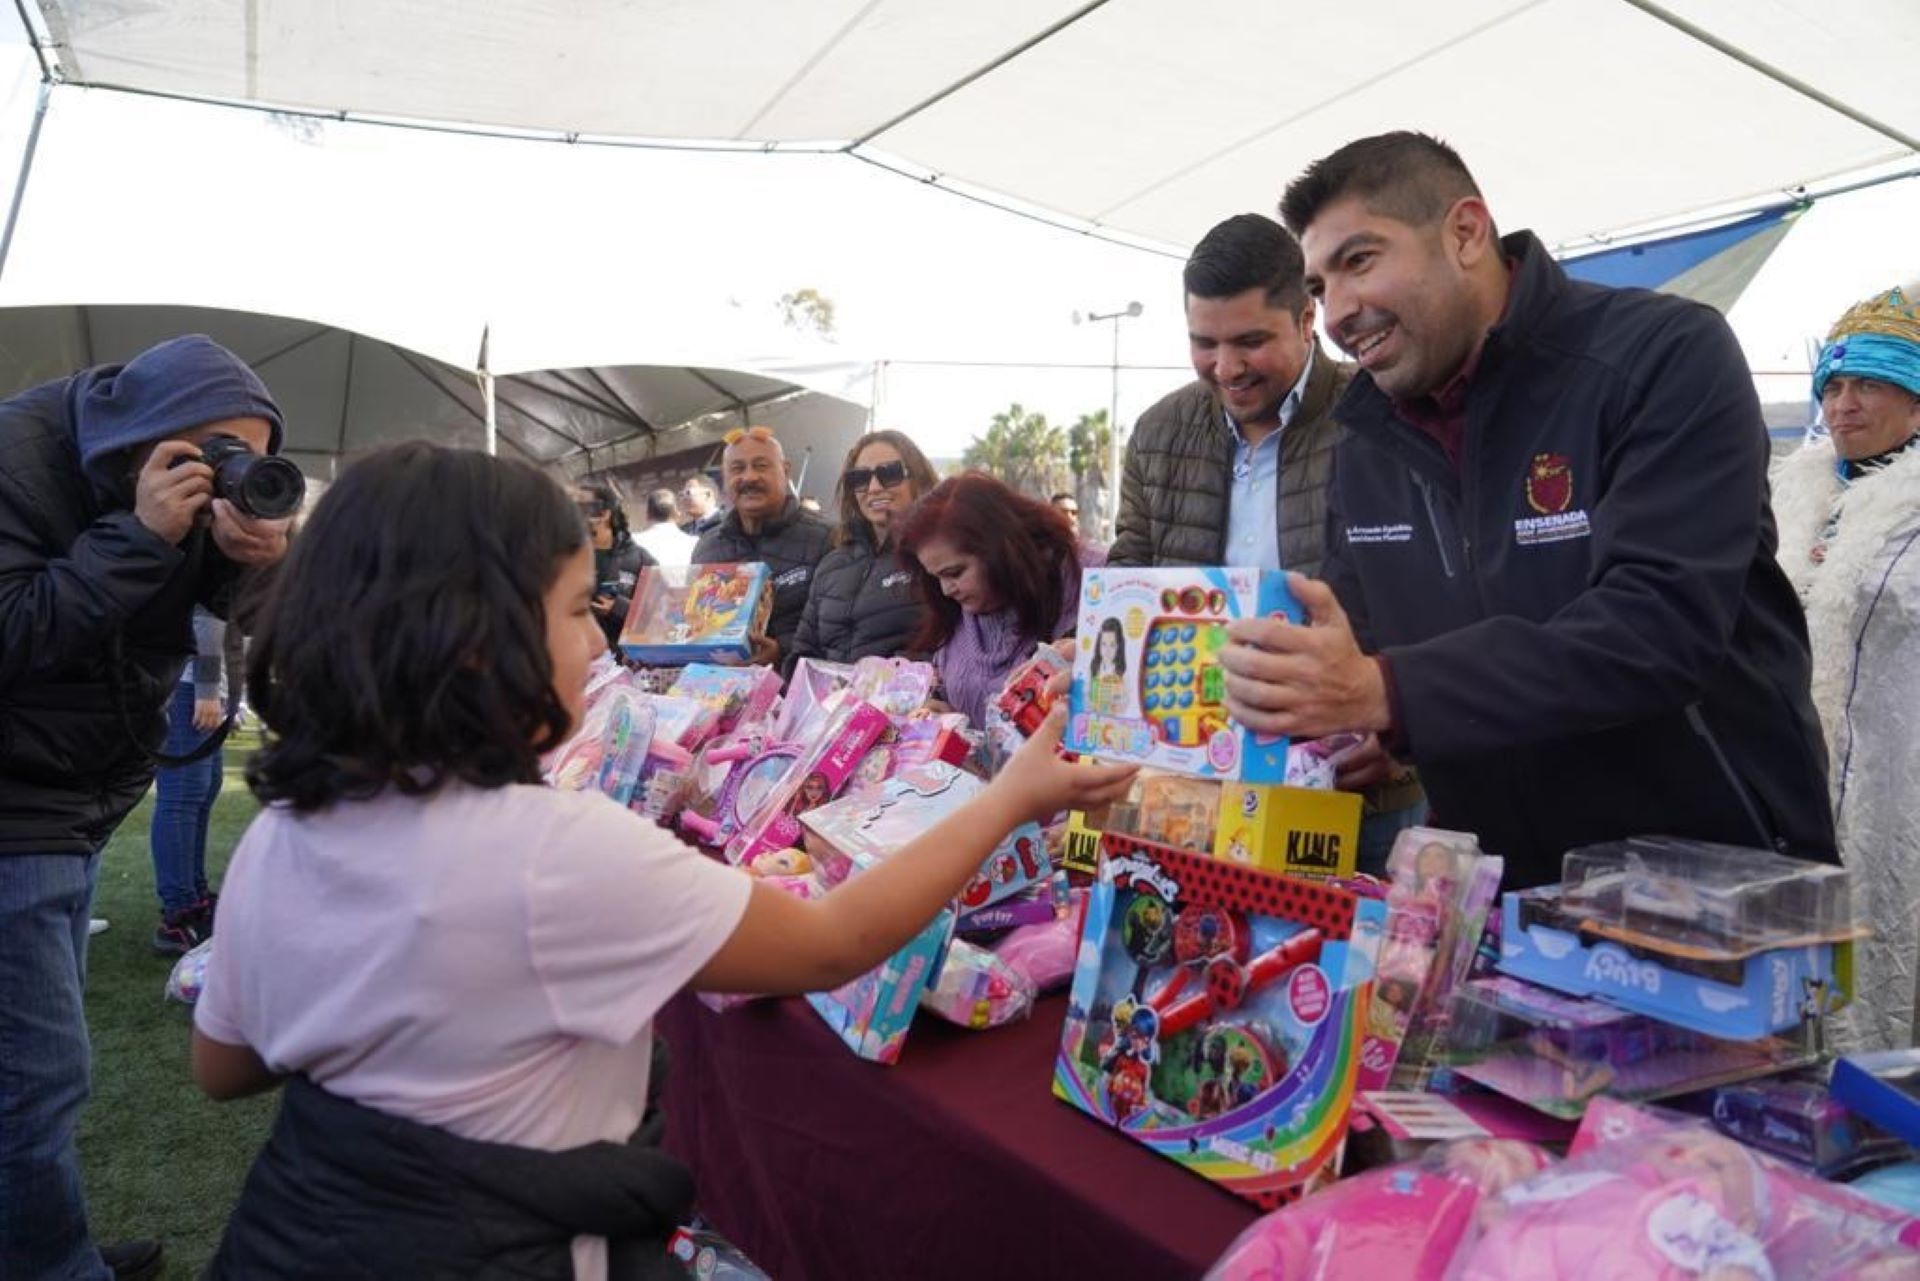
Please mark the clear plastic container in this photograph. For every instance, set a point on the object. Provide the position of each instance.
(1668, 893)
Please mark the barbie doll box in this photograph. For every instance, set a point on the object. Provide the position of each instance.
(1147, 682)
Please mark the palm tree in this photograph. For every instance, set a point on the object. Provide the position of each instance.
(1022, 449)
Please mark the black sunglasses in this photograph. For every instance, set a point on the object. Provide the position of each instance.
(888, 474)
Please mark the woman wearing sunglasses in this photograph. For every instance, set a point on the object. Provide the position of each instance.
(862, 601)
(1000, 573)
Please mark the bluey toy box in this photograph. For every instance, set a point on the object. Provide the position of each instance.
(1147, 682)
(1216, 1016)
(1739, 999)
(694, 613)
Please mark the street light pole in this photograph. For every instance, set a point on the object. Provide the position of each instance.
(1114, 318)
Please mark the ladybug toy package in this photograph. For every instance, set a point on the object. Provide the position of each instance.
(1216, 1015)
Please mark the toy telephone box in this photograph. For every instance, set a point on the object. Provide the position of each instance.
(1148, 687)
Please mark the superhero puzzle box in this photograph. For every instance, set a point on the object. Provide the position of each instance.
(694, 613)
(1216, 1015)
(1147, 682)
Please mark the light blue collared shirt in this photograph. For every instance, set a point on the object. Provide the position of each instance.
(1253, 502)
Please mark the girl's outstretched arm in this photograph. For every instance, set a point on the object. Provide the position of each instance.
(785, 944)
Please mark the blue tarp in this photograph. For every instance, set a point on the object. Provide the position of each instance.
(1654, 263)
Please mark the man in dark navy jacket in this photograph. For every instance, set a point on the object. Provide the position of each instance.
(110, 533)
(1550, 579)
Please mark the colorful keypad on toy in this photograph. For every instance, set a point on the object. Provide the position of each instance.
(1181, 685)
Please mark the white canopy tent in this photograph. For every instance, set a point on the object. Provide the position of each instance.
(1150, 117)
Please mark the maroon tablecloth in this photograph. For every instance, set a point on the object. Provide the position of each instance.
(955, 1162)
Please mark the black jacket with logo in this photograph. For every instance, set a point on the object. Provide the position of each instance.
(1587, 631)
(863, 602)
(789, 545)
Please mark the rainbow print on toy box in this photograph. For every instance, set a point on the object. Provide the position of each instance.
(1147, 682)
(1216, 1016)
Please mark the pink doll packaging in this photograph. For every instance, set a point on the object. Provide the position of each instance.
(873, 826)
(737, 695)
(1401, 1223)
(1643, 1197)
(816, 776)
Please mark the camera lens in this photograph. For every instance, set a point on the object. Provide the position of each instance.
(272, 488)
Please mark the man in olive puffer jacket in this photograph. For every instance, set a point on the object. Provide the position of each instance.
(1232, 469)
(1235, 468)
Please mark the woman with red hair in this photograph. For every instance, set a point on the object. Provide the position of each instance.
(999, 574)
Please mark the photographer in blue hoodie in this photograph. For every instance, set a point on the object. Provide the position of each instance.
(110, 532)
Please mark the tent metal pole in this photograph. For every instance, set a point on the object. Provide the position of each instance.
(26, 171)
(1660, 14)
(489, 409)
(492, 413)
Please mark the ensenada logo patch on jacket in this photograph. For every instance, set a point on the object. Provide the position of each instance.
(794, 577)
(1549, 492)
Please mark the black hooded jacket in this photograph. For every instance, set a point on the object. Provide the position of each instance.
(1587, 634)
(95, 609)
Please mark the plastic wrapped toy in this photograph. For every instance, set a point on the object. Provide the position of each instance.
(1801, 1123)
(738, 695)
(815, 777)
(976, 989)
(1044, 954)
(1646, 1198)
(189, 974)
(1404, 1222)
(808, 702)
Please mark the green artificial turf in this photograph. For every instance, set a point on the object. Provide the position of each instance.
(160, 1159)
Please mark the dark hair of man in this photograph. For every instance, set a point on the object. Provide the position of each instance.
(404, 642)
(662, 506)
(1026, 548)
(920, 475)
(1410, 177)
(1248, 251)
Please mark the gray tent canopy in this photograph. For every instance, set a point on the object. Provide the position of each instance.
(343, 391)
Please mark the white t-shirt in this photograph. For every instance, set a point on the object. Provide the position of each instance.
(485, 961)
(667, 544)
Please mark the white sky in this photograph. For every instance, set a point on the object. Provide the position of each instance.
(581, 255)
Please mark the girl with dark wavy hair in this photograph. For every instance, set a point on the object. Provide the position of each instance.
(999, 573)
(439, 949)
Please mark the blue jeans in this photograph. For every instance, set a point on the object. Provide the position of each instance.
(182, 803)
(44, 1065)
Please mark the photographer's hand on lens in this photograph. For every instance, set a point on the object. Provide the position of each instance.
(172, 489)
(247, 540)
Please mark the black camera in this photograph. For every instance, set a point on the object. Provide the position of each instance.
(259, 485)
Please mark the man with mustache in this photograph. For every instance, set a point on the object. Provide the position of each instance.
(767, 524)
(1551, 580)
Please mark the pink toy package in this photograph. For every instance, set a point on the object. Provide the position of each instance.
(1043, 954)
(814, 778)
(1644, 1197)
(1404, 1222)
(873, 826)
